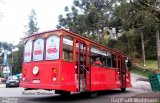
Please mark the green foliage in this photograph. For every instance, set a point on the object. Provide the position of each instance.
(14, 58)
(32, 26)
(136, 16)
(17, 59)
(151, 6)
(5, 45)
(151, 64)
(131, 18)
(123, 14)
(126, 43)
(138, 71)
(138, 68)
(87, 17)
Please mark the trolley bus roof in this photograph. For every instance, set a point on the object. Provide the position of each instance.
(75, 35)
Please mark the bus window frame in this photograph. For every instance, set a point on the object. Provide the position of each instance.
(33, 49)
(68, 60)
(107, 57)
(85, 50)
(45, 43)
(96, 47)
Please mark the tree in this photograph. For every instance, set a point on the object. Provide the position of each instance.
(152, 7)
(17, 58)
(136, 20)
(88, 18)
(139, 16)
(32, 24)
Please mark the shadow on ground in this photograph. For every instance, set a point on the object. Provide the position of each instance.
(78, 98)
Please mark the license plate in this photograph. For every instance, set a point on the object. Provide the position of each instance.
(36, 81)
(12, 83)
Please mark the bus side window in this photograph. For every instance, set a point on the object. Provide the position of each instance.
(91, 60)
(109, 59)
(109, 62)
(128, 64)
(106, 58)
(97, 56)
(119, 62)
(114, 61)
(68, 48)
(103, 59)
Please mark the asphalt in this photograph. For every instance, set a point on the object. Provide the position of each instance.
(139, 83)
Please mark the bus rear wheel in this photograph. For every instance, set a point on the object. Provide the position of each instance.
(93, 94)
(62, 93)
(123, 89)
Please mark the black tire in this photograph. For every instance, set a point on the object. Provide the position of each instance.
(65, 93)
(93, 94)
(6, 86)
(123, 89)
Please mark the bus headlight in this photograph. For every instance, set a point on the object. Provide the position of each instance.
(54, 78)
(35, 70)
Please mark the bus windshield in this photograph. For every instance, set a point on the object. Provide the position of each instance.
(51, 49)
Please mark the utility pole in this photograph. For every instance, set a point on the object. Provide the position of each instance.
(158, 47)
(143, 50)
(12, 54)
(12, 58)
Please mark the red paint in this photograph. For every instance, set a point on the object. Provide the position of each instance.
(61, 75)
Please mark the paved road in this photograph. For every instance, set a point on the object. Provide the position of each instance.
(41, 96)
(18, 95)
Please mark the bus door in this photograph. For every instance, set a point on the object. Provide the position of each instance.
(122, 72)
(81, 68)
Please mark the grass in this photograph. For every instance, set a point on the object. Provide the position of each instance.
(151, 64)
(158, 101)
(145, 73)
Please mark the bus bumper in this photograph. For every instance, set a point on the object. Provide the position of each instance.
(70, 88)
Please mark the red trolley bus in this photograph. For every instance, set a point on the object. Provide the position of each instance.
(66, 62)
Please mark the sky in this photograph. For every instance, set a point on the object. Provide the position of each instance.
(15, 16)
